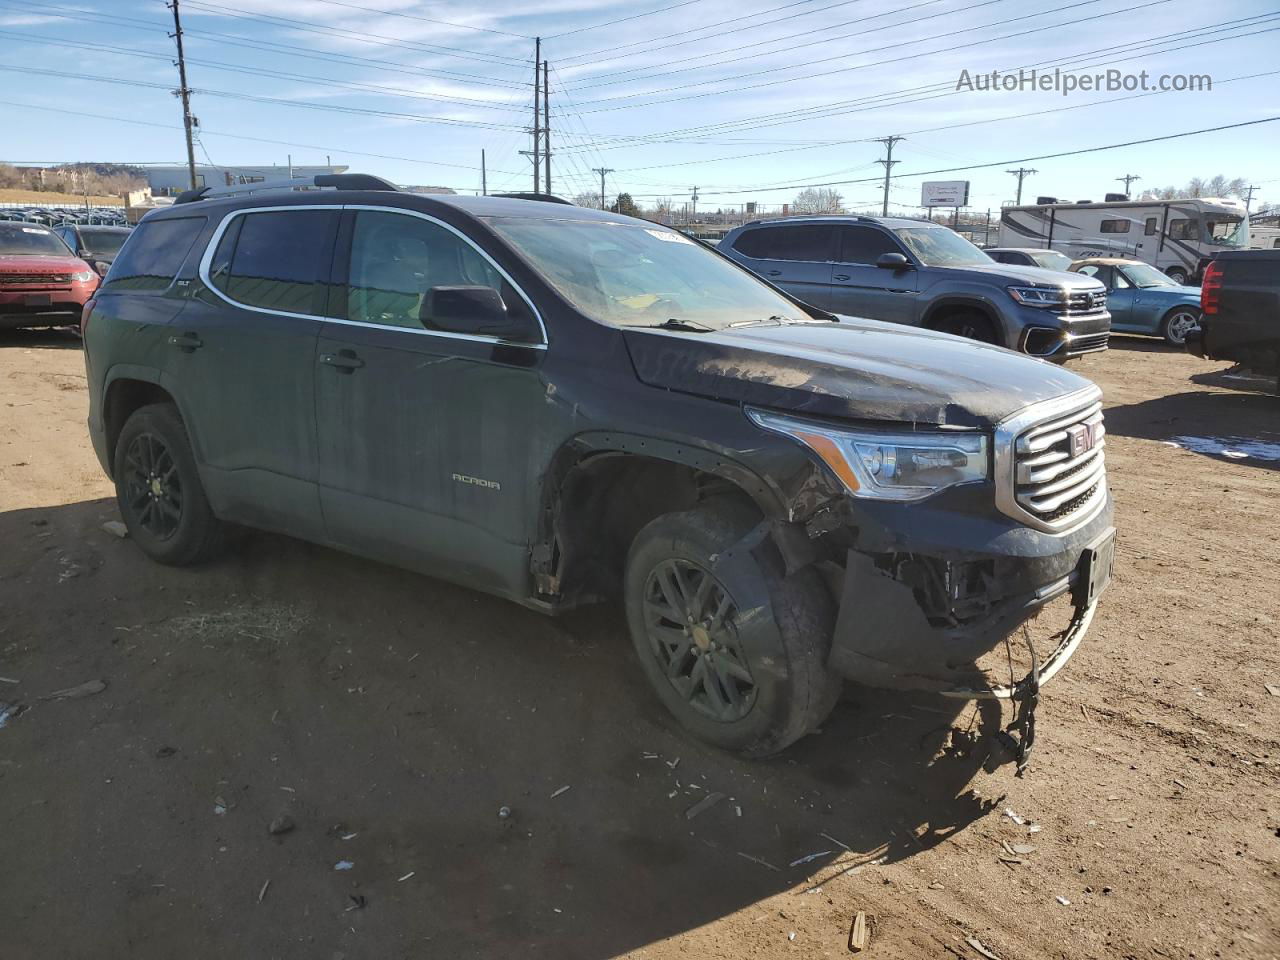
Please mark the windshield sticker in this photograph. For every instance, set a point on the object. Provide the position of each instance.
(668, 236)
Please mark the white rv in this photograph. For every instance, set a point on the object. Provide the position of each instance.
(1176, 236)
(1264, 237)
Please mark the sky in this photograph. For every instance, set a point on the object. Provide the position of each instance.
(749, 100)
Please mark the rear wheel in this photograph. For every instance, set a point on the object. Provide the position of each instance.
(158, 489)
(972, 325)
(1177, 323)
(734, 650)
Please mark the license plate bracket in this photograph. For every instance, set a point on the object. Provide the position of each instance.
(1096, 566)
(38, 300)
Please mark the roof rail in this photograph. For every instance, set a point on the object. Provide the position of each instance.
(339, 181)
(528, 195)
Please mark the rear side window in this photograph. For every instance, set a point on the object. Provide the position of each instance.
(276, 260)
(812, 241)
(1115, 226)
(1150, 230)
(154, 252)
(865, 244)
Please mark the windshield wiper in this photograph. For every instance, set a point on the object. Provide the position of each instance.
(688, 326)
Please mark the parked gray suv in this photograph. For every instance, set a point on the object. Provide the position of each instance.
(920, 273)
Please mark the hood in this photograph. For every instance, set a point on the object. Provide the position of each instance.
(1179, 294)
(23, 263)
(1016, 273)
(855, 369)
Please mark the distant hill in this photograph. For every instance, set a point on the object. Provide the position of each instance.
(101, 179)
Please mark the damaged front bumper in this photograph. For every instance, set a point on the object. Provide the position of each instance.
(921, 615)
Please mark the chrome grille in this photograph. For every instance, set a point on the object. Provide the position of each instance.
(1085, 302)
(35, 279)
(1051, 469)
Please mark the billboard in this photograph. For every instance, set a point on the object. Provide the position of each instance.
(944, 193)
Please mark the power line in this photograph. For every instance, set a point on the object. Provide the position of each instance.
(619, 103)
(411, 16)
(610, 23)
(940, 90)
(1020, 160)
(253, 43)
(376, 89)
(240, 136)
(460, 53)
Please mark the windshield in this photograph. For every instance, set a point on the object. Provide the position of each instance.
(1145, 275)
(1051, 259)
(642, 275)
(105, 243)
(24, 241)
(1226, 230)
(940, 247)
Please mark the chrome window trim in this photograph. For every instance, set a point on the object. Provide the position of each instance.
(1007, 432)
(206, 260)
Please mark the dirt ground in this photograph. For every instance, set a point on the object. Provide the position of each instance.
(391, 717)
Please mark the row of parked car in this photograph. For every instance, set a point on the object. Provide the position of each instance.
(47, 274)
(52, 216)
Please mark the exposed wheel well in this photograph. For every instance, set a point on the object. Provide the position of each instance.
(603, 502)
(944, 319)
(124, 396)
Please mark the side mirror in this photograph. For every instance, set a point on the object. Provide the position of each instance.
(476, 310)
(893, 261)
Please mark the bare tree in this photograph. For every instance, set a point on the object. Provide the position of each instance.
(814, 200)
(1217, 186)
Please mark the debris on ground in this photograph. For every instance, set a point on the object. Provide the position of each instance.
(827, 836)
(116, 529)
(560, 791)
(1008, 812)
(980, 947)
(281, 824)
(504, 812)
(1023, 849)
(703, 805)
(858, 937)
(791, 935)
(406, 876)
(1272, 689)
(358, 902)
(343, 865)
(219, 806)
(1063, 900)
(86, 689)
(810, 858)
(165, 752)
(263, 892)
(7, 680)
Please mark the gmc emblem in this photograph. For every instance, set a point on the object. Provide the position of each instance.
(1083, 437)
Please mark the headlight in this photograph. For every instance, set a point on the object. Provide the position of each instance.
(888, 466)
(84, 276)
(1039, 296)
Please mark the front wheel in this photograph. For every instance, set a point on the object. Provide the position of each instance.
(734, 650)
(158, 489)
(1178, 323)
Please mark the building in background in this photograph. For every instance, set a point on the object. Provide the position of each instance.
(170, 180)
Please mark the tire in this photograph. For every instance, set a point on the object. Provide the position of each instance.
(753, 687)
(971, 325)
(158, 489)
(1177, 323)
(1177, 275)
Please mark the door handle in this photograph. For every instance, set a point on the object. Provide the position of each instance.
(841, 276)
(775, 273)
(186, 342)
(344, 360)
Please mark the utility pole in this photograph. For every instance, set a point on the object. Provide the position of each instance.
(888, 163)
(602, 171)
(1021, 173)
(1248, 199)
(1128, 178)
(184, 92)
(546, 126)
(484, 176)
(694, 197)
(537, 122)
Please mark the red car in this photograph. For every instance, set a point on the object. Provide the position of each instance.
(42, 283)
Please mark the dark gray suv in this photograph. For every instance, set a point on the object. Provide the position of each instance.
(920, 273)
(556, 405)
